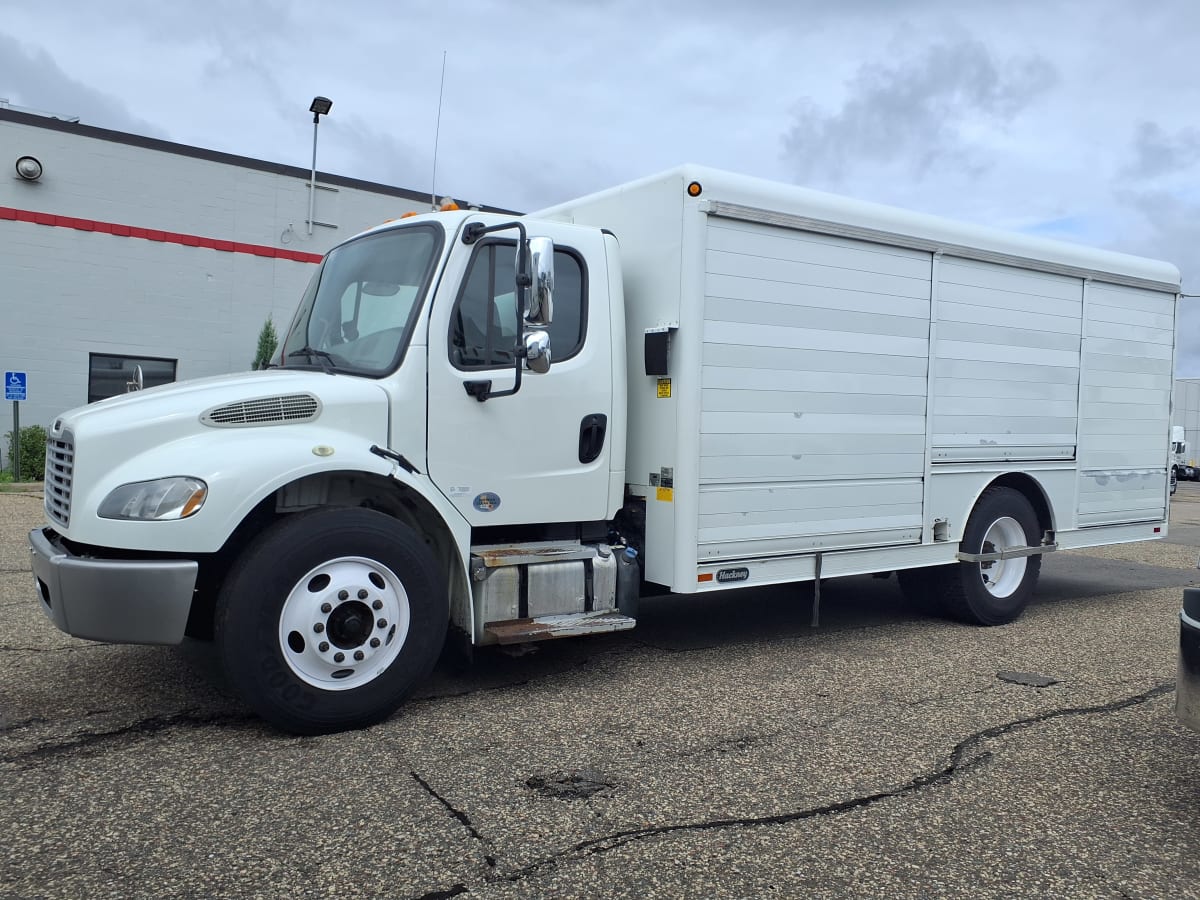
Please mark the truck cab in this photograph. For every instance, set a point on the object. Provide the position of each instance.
(415, 411)
(1180, 462)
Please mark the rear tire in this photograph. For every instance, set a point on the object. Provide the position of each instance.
(329, 618)
(993, 593)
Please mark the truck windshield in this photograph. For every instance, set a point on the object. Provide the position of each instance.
(360, 307)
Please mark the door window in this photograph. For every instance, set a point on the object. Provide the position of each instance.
(485, 325)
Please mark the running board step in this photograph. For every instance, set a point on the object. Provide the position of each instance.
(543, 628)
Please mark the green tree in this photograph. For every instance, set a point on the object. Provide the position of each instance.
(268, 340)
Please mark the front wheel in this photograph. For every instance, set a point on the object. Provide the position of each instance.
(997, 591)
(329, 619)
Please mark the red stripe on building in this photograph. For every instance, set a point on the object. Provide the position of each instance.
(149, 234)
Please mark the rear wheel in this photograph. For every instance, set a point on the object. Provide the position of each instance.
(329, 619)
(993, 592)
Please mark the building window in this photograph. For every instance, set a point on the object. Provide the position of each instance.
(110, 375)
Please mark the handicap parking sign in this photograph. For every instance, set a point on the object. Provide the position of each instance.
(16, 385)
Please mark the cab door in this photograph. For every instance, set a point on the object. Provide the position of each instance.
(541, 455)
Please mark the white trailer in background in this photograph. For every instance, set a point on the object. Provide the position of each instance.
(1180, 466)
(751, 384)
(1185, 416)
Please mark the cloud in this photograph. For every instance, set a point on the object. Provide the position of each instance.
(30, 77)
(934, 109)
(1157, 153)
(1157, 186)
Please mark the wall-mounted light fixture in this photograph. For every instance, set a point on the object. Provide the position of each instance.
(29, 168)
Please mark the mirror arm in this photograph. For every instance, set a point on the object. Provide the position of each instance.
(482, 390)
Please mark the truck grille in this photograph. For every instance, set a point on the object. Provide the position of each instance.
(60, 465)
(264, 411)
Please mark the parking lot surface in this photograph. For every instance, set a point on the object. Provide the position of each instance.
(724, 748)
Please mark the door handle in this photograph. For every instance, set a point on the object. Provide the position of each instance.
(591, 436)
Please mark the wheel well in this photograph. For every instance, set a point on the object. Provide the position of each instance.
(345, 489)
(1029, 487)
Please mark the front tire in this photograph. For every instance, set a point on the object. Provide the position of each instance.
(995, 592)
(329, 619)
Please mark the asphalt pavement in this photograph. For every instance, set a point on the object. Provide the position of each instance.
(724, 748)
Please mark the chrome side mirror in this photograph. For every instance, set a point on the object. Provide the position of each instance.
(541, 290)
(537, 351)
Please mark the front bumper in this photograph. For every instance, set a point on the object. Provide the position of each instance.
(1187, 685)
(116, 600)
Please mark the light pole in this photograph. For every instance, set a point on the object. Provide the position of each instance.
(319, 107)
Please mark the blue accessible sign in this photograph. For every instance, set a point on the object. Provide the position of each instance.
(16, 386)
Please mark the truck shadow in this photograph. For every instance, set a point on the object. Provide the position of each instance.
(677, 623)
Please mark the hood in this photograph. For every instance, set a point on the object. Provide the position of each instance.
(172, 404)
(241, 434)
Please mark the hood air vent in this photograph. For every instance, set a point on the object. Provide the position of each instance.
(264, 411)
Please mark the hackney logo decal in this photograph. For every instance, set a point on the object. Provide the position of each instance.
(726, 575)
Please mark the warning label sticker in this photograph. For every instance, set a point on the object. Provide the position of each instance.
(667, 495)
(664, 388)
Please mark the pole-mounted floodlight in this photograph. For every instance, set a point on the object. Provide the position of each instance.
(319, 107)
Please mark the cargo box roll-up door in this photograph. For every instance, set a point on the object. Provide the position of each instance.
(813, 406)
(1006, 363)
(1128, 360)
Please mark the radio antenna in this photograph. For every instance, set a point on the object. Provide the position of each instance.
(436, 132)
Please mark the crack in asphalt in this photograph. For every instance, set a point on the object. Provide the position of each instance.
(100, 740)
(444, 895)
(736, 744)
(461, 816)
(9, 647)
(957, 763)
(6, 726)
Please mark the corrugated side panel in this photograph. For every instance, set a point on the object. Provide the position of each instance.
(1006, 370)
(813, 395)
(1126, 396)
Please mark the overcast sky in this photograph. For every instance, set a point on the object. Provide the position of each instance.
(1076, 119)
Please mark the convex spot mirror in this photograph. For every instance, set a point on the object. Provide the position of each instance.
(537, 351)
(541, 290)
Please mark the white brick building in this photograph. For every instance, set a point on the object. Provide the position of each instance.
(129, 250)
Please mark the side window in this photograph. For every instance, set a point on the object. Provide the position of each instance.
(484, 326)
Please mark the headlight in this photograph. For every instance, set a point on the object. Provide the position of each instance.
(166, 498)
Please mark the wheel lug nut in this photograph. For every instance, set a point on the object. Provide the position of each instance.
(339, 656)
(374, 642)
(382, 623)
(342, 595)
(358, 655)
(318, 628)
(326, 607)
(323, 647)
(362, 594)
(378, 604)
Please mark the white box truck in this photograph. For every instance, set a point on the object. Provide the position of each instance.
(1182, 467)
(509, 426)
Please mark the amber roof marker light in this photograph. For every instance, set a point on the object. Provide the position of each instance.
(694, 189)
